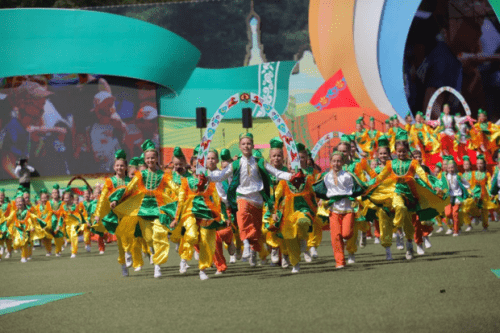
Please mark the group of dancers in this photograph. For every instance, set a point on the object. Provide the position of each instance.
(262, 209)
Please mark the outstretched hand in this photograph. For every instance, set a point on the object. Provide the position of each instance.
(202, 181)
(298, 179)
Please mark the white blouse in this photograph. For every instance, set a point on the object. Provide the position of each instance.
(250, 181)
(344, 186)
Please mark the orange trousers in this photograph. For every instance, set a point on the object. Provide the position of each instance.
(377, 229)
(341, 227)
(451, 212)
(223, 236)
(421, 230)
(249, 218)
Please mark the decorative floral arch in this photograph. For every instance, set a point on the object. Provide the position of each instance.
(439, 92)
(327, 137)
(284, 132)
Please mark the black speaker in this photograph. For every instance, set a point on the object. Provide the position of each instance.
(246, 117)
(201, 117)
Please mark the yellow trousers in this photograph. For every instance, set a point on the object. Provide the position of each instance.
(59, 242)
(156, 235)
(86, 234)
(47, 243)
(73, 237)
(144, 245)
(207, 247)
(26, 250)
(386, 228)
(189, 239)
(293, 245)
(316, 235)
(402, 218)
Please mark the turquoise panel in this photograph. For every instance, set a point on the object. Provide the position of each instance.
(46, 41)
(211, 87)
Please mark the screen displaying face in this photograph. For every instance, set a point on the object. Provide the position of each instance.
(72, 124)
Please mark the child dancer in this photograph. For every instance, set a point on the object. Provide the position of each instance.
(397, 188)
(200, 208)
(69, 220)
(297, 208)
(458, 195)
(479, 183)
(340, 189)
(44, 212)
(224, 235)
(146, 192)
(248, 191)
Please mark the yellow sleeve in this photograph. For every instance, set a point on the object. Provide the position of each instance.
(181, 199)
(278, 193)
(421, 173)
(386, 172)
(103, 200)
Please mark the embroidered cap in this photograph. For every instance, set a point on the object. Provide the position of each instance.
(148, 145)
(276, 143)
(120, 155)
(225, 155)
(178, 152)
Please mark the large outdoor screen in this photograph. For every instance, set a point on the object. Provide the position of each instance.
(69, 124)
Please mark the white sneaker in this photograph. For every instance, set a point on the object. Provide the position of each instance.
(376, 240)
(307, 256)
(196, 256)
(124, 270)
(177, 247)
(409, 250)
(313, 252)
(23, 260)
(183, 266)
(469, 228)
(151, 260)
(351, 259)
(275, 255)
(394, 235)
(339, 267)
(388, 253)
(157, 271)
(246, 249)
(48, 254)
(253, 258)
(232, 259)
(128, 259)
(455, 235)
(449, 232)
(138, 269)
(440, 230)
(427, 242)
(58, 254)
(420, 250)
(7, 256)
(296, 269)
(87, 248)
(1, 250)
(362, 240)
(285, 261)
(219, 273)
(101, 252)
(73, 255)
(203, 275)
(29, 258)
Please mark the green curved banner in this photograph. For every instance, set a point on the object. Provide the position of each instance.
(45, 41)
(211, 87)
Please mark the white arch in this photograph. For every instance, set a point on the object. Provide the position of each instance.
(324, 139)
(284, 132)
(439, 92)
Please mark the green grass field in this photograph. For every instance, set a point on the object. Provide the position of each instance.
(370, 296)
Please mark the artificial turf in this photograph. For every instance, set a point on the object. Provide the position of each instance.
(449, 289)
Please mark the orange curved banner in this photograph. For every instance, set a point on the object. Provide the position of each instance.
(331, 32)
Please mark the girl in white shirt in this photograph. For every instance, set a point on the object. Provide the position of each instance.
(340, 189)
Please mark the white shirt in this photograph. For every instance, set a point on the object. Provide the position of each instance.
(344, 186)
(220, 190)
(448, 124)
(250, 181)
(455, 190)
